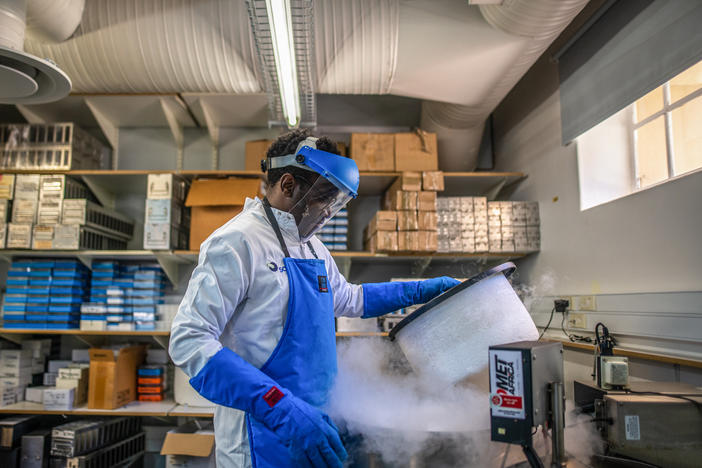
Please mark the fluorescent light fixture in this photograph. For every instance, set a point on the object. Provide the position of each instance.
(280, 21)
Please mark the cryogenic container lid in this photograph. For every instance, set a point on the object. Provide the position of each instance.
(506, 268)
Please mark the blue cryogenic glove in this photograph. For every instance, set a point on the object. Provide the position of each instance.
(383, 298)
(229, 380)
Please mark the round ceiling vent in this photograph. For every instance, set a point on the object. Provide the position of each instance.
(26, 79)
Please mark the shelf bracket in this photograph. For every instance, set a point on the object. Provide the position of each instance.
(13, 338)
(495, 190)
(169, 265)
(86, 260)
(90, 340)
(162, 341)
(213, 130)
(31, 114)
(109, 129)
(105, 197)
(344, 265)
(176, 129)
(419, 266)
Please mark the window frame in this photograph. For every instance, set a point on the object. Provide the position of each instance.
(667, 113)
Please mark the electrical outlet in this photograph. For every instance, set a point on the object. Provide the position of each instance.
(587, 303)
(577, 321)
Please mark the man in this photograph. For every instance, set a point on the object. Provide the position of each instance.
(255, 329)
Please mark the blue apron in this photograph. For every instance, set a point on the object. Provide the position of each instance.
(304, 360)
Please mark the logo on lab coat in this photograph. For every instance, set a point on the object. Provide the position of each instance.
(273, 267)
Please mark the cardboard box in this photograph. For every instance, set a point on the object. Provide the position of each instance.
(161, 186)
(13, 428)
(42, 237)
(408, 241)
(190, 445)
(382, 241)
(255, 152)
(428, 241)
(216, 201)
(59, 399)
(408, 181)
(416, 151)
(184, 393)
(356, 324)
(426, 201)
(417, 241)
(433, 181)
(19, 236)
(27, 186)
(407, 220)
(113, 378)
(400, 200)
(427, 220)
(373, 151)
(24, 211)
(35, 394)
(7, 186)
(382, 221)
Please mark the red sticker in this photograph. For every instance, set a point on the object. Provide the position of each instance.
(273, 396)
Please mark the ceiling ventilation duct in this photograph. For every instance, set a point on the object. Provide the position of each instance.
(157, 46)
(460, 127)
(356, 47)
(25, 78)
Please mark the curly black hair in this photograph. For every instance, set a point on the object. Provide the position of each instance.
(287, 144)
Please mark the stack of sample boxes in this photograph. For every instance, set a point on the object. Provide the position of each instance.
(151, 382)
(123, 296)
(514, 226)
(166, 219)
(462, 224)
(334, 234)
(409, 204)
(474, 225)
(60, 213)
(24, 211)
(16, 370)
(44, 294)
(72, 377)
(7, 191)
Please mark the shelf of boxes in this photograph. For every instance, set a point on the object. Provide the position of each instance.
(135, 408)
(121, 182)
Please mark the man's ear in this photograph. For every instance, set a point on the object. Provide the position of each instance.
(287, 185)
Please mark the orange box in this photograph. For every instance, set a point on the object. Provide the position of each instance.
(213, 202)
(112, 381)
(150, 389)
(255, 152)
(150, 380)
(150, 397)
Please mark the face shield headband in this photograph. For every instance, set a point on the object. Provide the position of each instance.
(336, 186)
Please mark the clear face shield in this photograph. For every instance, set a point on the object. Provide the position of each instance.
(317, 206)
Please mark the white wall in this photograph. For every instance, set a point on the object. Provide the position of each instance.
(647, 242)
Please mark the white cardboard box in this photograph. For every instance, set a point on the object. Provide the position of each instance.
(59, 399)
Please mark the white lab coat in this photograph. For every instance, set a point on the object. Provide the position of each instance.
(238, 297)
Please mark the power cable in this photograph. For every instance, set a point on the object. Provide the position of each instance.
(553, 311)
